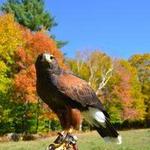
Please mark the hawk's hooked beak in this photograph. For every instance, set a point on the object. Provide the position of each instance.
(47, 57)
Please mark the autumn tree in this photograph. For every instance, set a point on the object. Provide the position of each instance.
(35, 44)
(17, 73)
(11, 39)
(91, 66)
(29, 13)
(142, 63)
(98, 63)
(25, 78)
(123, 97)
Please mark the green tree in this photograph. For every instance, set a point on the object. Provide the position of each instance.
(30, 13)
(5, 104)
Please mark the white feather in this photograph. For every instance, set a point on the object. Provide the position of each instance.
(94, 114)
(99, 116)
(117, 140)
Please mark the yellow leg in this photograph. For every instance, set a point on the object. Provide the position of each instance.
(70, 130)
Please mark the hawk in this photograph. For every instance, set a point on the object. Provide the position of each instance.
(70, 97)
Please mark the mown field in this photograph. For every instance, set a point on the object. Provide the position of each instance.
(132, 140)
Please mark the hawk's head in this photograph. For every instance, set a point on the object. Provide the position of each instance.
(46, 62)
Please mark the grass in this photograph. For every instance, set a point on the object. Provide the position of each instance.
(132, 140)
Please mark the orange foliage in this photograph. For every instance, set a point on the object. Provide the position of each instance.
(25, 85)
(25, 79)
(37, 43)
(125, 92)
(124, 88)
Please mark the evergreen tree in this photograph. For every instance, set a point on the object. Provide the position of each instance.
(29, 13)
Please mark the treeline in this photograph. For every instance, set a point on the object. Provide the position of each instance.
(122, 85)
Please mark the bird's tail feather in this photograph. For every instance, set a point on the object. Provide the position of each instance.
(109, 133)
(101, 123)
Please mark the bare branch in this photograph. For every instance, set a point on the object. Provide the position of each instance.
(91, 76)
(79, 64)
(105, 79)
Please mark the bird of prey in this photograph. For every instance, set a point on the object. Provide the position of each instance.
(68, 96)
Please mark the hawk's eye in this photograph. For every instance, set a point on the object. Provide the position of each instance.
(51, 57)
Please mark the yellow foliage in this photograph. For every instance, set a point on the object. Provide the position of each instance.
(11, 37)
(4, 81)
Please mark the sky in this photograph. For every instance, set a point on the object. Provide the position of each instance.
(119, 28)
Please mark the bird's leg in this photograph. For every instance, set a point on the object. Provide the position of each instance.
(71, 140)
(65, 140)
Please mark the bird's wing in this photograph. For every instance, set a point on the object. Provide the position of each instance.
(77, 90)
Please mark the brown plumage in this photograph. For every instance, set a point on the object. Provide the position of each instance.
(69, 96)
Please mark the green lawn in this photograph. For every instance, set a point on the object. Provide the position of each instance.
(132, 140)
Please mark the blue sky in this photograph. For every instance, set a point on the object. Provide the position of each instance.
(120, 28)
